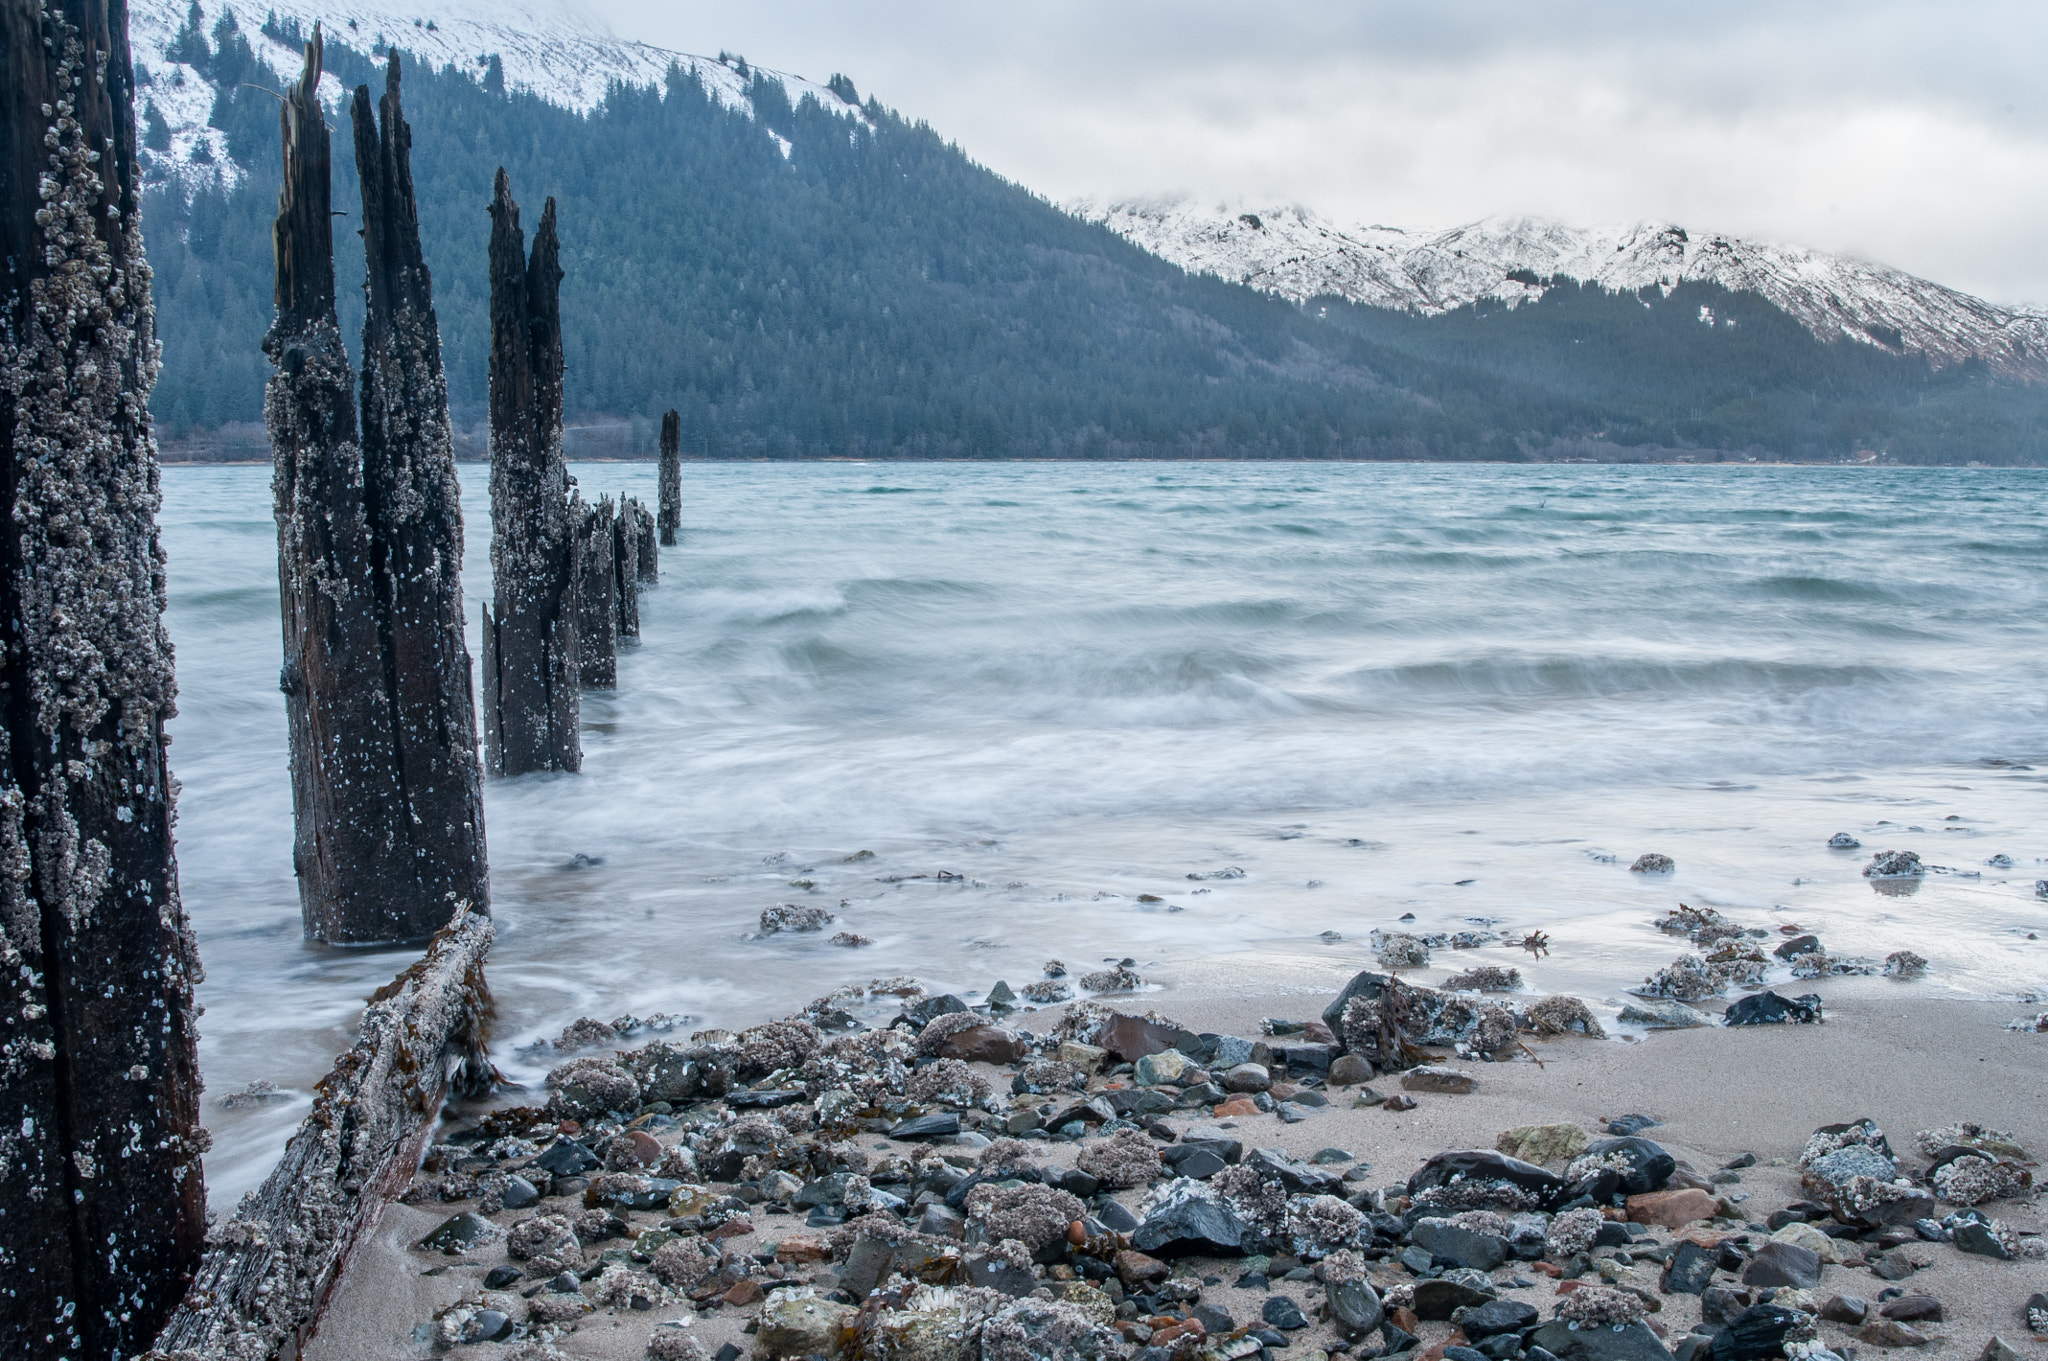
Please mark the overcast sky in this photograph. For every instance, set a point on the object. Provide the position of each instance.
(1915, 134)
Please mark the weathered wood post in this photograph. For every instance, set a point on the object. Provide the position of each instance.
(389, 818)
(597, 617)
(671, 477)
(650, 553)
(626, 564)
(101, 1207)
(532, 665)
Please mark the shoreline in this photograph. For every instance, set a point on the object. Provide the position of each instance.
(1909, 1062)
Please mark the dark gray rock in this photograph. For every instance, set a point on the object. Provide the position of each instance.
(1484, 1164)
(1976, 1238)
(1650, 1167)
(1283, 1313)
(1355, 1307)
(1497, 1316)
(1435, 1300)
(500, 1276)
(1633, 1343)
(1797, 946)
(1367, 984)
(1691, 1270)
(1009, 1280)
(1466, 1247)
(518, 1193)
(566, 1157)
(1465, 1354)
(1291, 1172)
(1757, 1333)
(488, 1325)
(939, 1124)
(460, 1233)
(931, 1008)
(1625, 1125)
(1768, 1008)
(1191, 1227)
(1197, 1161)
(1848, 1310)
(1776, 1264)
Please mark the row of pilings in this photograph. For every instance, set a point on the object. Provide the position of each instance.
(102, 1206)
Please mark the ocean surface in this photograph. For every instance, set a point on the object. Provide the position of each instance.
(1472, 695)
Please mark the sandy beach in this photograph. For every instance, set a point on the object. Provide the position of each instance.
(1893, 1054)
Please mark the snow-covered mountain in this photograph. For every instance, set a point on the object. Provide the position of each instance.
(552, 48)
(1299, 255)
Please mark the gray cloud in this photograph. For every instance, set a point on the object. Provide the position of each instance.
(1909, 133)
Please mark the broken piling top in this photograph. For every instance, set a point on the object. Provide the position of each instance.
(671, 476)
(396, 278)
(303, 235)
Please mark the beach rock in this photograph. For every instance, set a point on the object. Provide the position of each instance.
(1191, 1225)
(1625, 1125)
(1169, 1065)
(1466, 1247)
(1913, 1308)
(1224, 1144)
(797, 1321)
(1672, 1209)
(939, 1124)
(1662, 1013)
(1998, 1349)
(1542, 1143)
(2036, 1312)
(1757, 1333)
(1135, 1269)
(793, 917)
(983, 1044)
(1894, 865)
(1884, 1332)
(1294, 1174)
(461, 1233)
(1247, 1077)
(1632, 1342)
(1088, 1058)
(1496, 1317)
(1002, 997)
(1848, 1310)
(1690, 1270)
(1768, 1008)
(1430, 1077)
(1485, 1165)
(1904, 964)
(926, 1010)
(1797, 946)
(1842, 841)
(1355, 1307)
(1977, 1238)
(1130, 1038)
(1649, 1166)
(1435, 1300)
(1399, 950)
(1282, 1313)
(1776, 1264)
(1651, 862)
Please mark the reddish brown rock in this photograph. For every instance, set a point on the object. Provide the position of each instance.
(1672, 1209)
(983, 1044)
(1237, 1105)
(1884, 1332)
(803, 1247)
(745, 1293)
(1130, 1038)
(1135, 1268)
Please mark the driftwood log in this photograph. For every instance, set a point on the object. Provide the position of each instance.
(671, 477)
(101, 1206)
(269, 1271)
(385, 787)
(597, 616)
(532, 662)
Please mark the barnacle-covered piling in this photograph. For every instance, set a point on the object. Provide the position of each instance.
(626, 570)
(101, 1206)
(671, 477)
(597, 619)
(385, 782)
(649, 557)
(532, 663)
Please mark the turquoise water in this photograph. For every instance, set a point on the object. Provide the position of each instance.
(1457, 692)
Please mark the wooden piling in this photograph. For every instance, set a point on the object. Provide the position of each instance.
(388, 811)
(597, 615)
(532, 656)
(101, 1205)
(626, 567)
(671, 477)
(649, 558)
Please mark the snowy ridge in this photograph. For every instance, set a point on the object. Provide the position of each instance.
(1299, 255)
(551, 48)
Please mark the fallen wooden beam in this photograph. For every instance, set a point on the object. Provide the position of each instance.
(268, 1272)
